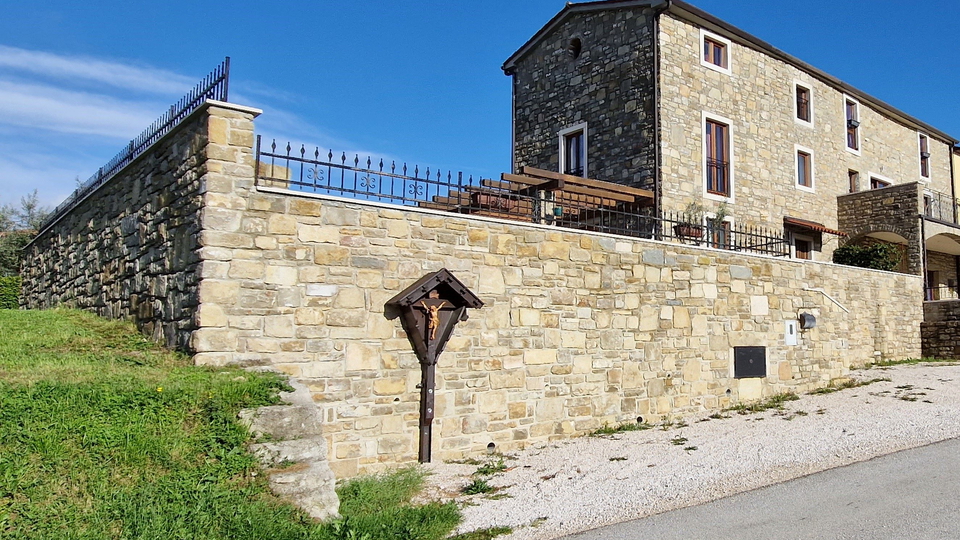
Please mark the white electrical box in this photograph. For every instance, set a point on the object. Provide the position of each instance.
(790, 333)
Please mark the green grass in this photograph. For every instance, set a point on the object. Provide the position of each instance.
(483, 534)
(477, 486)
(491, 468)
(104, 435)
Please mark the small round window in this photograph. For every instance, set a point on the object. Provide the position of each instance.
(574, 47)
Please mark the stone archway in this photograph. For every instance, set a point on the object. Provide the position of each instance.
(912, 260)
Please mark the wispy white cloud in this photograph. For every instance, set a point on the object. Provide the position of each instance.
(102, 72)
(38, 106)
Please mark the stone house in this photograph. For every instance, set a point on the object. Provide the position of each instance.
(661, 95)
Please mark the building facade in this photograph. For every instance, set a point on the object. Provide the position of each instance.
(664, 96)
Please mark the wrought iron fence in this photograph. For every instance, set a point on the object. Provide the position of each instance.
(315, 171)
(214, 86)
(940, 206)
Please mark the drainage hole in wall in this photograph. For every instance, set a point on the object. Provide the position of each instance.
(639, 419)
(491, 448)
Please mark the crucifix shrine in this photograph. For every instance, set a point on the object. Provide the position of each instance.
(429, 310)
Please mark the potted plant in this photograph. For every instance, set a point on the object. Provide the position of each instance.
(691, 222)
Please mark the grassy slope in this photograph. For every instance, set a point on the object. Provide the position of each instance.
(105, 435)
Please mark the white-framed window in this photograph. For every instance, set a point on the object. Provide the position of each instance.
(923, 144)
(803, 167)
(715, 52)
(878, 181)
(718, 157)
(573, 150)
(851, 124)
(803, 103)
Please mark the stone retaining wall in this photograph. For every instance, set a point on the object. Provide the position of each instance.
(894, 209)
(578, 329)
(132, 249)
(940, 330)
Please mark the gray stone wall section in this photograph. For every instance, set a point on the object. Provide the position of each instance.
(895, 209)
(132, 249)
(940, 331)
(610, 87)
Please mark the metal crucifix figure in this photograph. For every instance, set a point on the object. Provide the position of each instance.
(430, 308)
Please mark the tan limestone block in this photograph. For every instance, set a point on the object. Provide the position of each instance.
(265, 242)
(549, 409)
(318, 233)
(681, 317)
(432, 222)
(240, 137)
(304, 207)
(528, 317)
(785, 371)
(246, 269)
(492, 402)
(392, 424)
(477, 236)
(528, 251)
(540, 356)
(750, 389)
(350, 297)
(389, 386)
(281, 275)
(491, 281)
(211, 315)
(393, 444)
(396, 228)
(262, 345)
(382, 328)
(214, 339)
(503, 244)
(369, 279)
(217, 129)
(514, 378)
(555, 250)
(517, 410)
(281, 224)
(221, 219)
(759, 305)
(278, 326)
(573, 339)
(330, 255)
(359, 357)
(348, 318)
(219, 292)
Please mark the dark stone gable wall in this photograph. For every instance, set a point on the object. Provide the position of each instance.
(610, 87)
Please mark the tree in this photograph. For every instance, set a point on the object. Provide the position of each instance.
(17, 227)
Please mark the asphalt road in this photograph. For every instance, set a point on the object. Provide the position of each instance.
(913, 494)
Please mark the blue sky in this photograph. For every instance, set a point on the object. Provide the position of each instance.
(413, 81)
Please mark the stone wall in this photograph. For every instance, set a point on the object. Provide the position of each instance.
(757, 98)
(578, 329)
(940, 331)
(891, 214)
(132, 249)
(610, 87)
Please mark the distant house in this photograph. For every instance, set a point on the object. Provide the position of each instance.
(663, 96)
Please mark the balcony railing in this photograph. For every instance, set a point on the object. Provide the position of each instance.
(940, 206)
(941, 292)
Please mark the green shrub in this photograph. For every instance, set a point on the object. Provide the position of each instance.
(10, 292)
(879, 256)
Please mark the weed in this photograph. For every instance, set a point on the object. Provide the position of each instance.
(537, 522)
(719, 416)
(690, 448)
(477, 486)
(607, 429)
(498, 496)
(678, 440)
(618, 458)
(491, 468)
(821, 411)
(483, 534)
(773, 402)
(910, 361)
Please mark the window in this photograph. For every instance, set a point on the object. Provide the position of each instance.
(928, 204)
(804, 104)
(852, 115)
(715, 52)
(804, 168)
(573, 150)
(924, 156)
(854, 178)
(802, 248)
(878, 183)
(717, 151)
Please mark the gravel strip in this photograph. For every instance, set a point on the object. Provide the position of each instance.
(555, 489)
